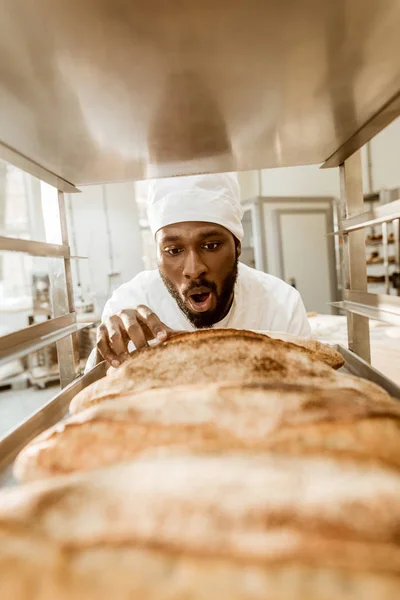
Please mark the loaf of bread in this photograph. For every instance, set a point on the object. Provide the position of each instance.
(208, 357)
(317, 350)
(219, 418)
(234, 527)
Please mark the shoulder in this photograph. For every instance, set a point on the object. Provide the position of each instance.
(277, 305)
(271, 285)
(142, 282)
(133, 292)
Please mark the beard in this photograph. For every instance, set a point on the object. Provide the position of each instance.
(224, 299)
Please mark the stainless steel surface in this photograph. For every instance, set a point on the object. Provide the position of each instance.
(45, 417)
(351, 191)
(255, 207)
(62, 297)
(25, 341)
(24, 163)
(117, 90)
(383, 301)
(379, 214)
(381, 119)
(385, 257)
(381, 307)
(370, 312)
(33, 248)
(359, 367)
(396, 231)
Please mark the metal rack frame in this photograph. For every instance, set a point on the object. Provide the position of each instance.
(63, 327)
(359, 304)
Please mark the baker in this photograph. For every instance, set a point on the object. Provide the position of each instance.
(196, 221)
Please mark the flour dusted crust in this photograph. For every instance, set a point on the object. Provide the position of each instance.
(264, 527)
(194, 358)
(218, 418)
(317, 350)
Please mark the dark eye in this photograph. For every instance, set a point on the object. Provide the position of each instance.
(173, 251)
(211, 245)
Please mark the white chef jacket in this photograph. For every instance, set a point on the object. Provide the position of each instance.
(261, 302)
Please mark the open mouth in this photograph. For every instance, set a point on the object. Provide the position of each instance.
(200, 300)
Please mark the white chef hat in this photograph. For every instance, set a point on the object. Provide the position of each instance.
(210, 198)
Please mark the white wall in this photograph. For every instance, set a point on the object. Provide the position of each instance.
(300, 181)
(88, 233)
(385, 153)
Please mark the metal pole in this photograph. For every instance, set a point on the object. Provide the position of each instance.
(62, 296)
(386, 256)
(354, 252)
(396, 275)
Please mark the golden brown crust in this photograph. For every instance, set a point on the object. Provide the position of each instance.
(200, 527)
(315, 349)
(33, 572)
(218, 418)
(196, 359)
(268, 512)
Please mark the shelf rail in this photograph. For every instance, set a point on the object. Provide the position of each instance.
(34, 248)
(63, 327)
(35, 337)
(380, 307)
(359, 304)
(376, 216)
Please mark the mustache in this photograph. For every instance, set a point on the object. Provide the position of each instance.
(200, 283)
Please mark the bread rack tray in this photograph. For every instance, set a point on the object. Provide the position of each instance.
(57, 408)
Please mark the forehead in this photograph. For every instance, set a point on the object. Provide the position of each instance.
(190, 231)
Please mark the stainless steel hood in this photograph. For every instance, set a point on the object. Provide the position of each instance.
(113, 90)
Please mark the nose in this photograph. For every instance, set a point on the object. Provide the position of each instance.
(194, 267)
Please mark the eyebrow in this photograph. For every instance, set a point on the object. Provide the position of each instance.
(202, 236)
(211, 233)
(171, 238)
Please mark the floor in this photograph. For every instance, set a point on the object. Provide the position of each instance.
(17, 405)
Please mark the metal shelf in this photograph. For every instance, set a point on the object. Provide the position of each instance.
(180, 112)
(25, 341)
(375, 216)
(34, 248)
(380, 307)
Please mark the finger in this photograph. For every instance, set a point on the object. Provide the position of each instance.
(150, 319)
(114, 327)
(133, 328)
(104, 348)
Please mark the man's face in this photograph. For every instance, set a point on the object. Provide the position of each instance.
(198, 264)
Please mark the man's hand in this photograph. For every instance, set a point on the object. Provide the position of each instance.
(137, 325)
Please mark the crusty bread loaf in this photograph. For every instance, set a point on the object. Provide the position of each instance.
(317, 350)
(237, 527)
(218, 418)
(324, 352)
(206, 359)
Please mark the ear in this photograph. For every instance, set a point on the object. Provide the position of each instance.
(238, 248)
